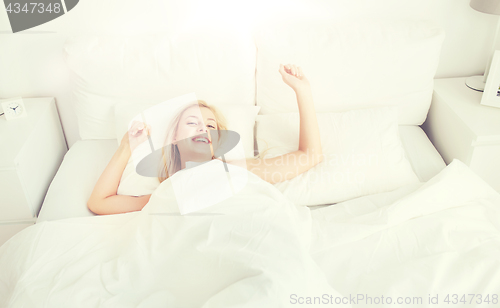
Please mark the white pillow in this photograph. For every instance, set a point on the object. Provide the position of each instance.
(352, 65)
(362, 151)
(133, 184)
(240, 119)
(112, 70)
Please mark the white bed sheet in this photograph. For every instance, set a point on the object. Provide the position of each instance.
(84, 162)
(437, 240)
(248, 250)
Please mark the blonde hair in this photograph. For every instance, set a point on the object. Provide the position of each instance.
(170, 153)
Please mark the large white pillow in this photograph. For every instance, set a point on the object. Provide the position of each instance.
(112, 70)
(240, 119)
(362, 151)
(351, 65)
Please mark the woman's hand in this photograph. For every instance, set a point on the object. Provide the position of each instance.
(294, 77)
(136, 135)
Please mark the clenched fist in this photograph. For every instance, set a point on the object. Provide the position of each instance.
(294, 77)
(136, 135)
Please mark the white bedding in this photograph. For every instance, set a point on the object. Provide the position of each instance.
(85, 161)
(251, 250)
(440, 237)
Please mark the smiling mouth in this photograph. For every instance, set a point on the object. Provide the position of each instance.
(201, 139)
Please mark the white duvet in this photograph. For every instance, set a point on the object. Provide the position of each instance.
(258, 250)
(433, 244)
(251, 250)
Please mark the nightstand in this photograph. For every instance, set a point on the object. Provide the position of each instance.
(32, 150)
(460, 127)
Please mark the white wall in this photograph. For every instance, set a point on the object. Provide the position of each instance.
(31, 62)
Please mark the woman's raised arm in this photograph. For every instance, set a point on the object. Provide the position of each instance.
(104, 199)
(309, 153)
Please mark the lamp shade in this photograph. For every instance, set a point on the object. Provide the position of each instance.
(486, 6)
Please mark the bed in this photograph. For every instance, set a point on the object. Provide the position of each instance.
(414, 232)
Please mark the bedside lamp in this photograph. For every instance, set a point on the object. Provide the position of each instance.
(489, 7)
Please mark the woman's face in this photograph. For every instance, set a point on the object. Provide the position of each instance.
(193, 133)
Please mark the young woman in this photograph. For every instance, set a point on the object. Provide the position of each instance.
(190, 137)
